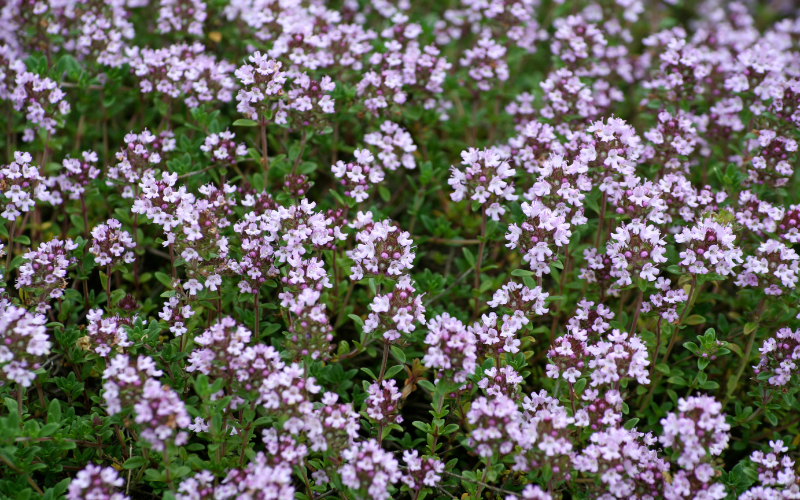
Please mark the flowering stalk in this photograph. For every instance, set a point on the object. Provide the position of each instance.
(479, 260)
(264, 156)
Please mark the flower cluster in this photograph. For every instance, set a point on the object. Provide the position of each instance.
(310, 334)
(124, 380)
(709, 245)
(516, 297)
(369, 470)
(260, 249)
(492, 424)
(262, 82)
(624, 462)
(106, 335)
(307, 103)
(484, 180)
(421, 471)
(222, 148)
(42, 101)
(451, 348)
(78, 174)
(21, 185)
(383, 249)
(695, 434)
(636, 251)
(23, 343)
(357, 176)
(222, 350)
(774, 268)
(779, 357)
(393, 146)
(383, 402)
(161, 414)
(776, 474)
(395, 313)
(111, 245)
(96, 482)
(44, 271)
(536, 236)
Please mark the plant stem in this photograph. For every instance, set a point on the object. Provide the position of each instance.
(10, 248)
(655, 350)
(479, 261)
(638, 308)
(300, 153)
(735, 381)
(385, 361)
(18, 471)
(85, 216)
(20, 392)
(264, 150)
(680, 320)
(481, 483)
(688, 301)
(255, 301)
(600, 223)
(108, 288)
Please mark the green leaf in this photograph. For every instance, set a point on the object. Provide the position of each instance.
(155, 476)
(691, 346)
(67, 64)
(674, 269)
(677, 380)
(398, 353)
(391, 372)
(244, 122)
(369, 372)
(133, 463)
(426, 384)
(164, 279)
(386, 195)
(54, 412)
(180, 471)
(23, 240)
(450, 429)
(77, 221)
(469, 256)
(521, 272)
(663, 368)
(694, 319)
(49, 429)
(750, 328)
(735, 348)
(356, 319)
(422, 426)
(630, 424)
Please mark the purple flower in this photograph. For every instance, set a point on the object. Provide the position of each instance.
(23, 343)
(382, 249)
(451, 348)
(369, 470)
(98, 483)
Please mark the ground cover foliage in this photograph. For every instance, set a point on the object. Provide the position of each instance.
(278, 249)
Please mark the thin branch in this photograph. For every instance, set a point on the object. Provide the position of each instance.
(481, 483)
(18, 471)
